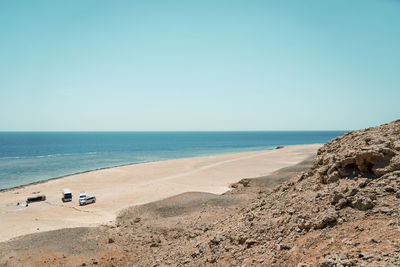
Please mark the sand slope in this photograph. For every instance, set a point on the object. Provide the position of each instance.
(121, 187)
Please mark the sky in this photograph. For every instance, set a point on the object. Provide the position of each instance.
(94, 65)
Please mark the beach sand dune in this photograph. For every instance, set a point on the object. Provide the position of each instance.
(121, 187)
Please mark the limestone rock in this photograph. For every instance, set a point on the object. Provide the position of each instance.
(362, 203)
(361, 153)
(325, 219)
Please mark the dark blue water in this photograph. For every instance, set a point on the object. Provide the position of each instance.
(27, 157)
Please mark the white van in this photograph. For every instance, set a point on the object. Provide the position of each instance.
(66, 195)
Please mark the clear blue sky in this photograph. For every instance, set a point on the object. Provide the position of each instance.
(198, 65)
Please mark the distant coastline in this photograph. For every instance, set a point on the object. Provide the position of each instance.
(117, 188)
(29, 158)
(122, 165)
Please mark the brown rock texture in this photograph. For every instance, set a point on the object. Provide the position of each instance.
(343, 211)
(370, 153)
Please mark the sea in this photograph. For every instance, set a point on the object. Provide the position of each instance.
(29, 157)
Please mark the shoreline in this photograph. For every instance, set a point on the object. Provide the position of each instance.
(128, 164)
(117, 188)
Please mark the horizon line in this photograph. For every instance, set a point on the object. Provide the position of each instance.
(168, 131)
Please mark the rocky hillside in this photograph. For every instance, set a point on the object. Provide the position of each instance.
(343, 211)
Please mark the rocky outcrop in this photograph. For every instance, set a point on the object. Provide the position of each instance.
(370, 153)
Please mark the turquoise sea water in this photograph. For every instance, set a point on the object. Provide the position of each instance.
(27, 157)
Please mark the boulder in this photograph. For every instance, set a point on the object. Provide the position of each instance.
(362, 203)
(325, 219)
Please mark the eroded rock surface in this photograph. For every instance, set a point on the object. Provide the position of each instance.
(370, 153)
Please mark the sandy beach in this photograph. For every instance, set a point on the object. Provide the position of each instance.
(121, 187)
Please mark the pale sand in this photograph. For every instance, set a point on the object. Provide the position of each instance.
(120, 187)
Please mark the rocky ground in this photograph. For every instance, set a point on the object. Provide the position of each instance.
(343, 211)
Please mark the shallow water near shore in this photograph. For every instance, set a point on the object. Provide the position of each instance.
(27, 157)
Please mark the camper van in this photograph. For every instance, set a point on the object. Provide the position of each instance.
(67, 195)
